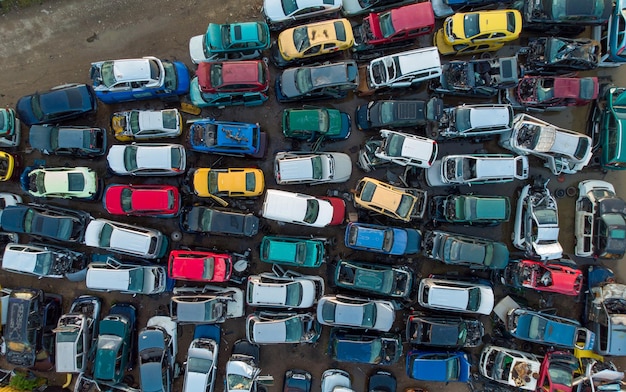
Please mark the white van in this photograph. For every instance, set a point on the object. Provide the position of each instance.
(111, 275)
(404, 69)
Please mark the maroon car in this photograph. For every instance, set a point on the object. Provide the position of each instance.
(233, 76)
(555, 276)
(552, 92)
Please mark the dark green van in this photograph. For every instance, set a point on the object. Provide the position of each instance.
(296, 251)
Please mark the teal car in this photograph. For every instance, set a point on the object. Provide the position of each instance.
(310, 123)
(9, 128)
(395, 281)
(233, 41)
(295, 251)
(608, 124)
(471, 209)
(114, 347)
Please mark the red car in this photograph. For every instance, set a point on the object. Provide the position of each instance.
(161, 201)
(199, 266)
(554, 92)
(557, 372)
(233, 76)
(555, 276)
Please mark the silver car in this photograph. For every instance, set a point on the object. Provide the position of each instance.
(275, 327)
(354, 312)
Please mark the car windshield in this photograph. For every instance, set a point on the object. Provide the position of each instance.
(293, 329)
(303, 80)
(471, 25)
(561, 375)
(107, 73)
(171, 80)
(369, 315)
(473, 300)
(312, 210)
(294, 294)
(126, 200)
(250, 182)
(322, 120)
(328, 311)
(388, 240)
(135, 280)
(105, 235)
(213, 182)
(176, 157)
(546, 216)
(462, 119)
(36, 107)
(537, 328)
(386, 24)
(37, 182)
(387, 112)
(452, 369)
(394, 145)
(199, 365)
(43, 264)
(209, 268)
(301, 38)
(289, 6)
(130, 158)
(317, 168)
(405, 206)
(28, 220)
(238, 382)
(216, 75)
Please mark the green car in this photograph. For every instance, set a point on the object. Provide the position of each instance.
(115, 344)
(471, 209)
(607, 122)
(393, 281)
(296, 251)
(310, 123)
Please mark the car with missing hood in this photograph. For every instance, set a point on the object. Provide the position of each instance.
(510, 367)
(202, 359)
(324, 81)
(10, 131)
(403, 204)
(206, 305)
(555, 17)
(545, 55)
(477, 169)
(42, 260)
(146, 124)
(475, 121)
(230, 138)
(554, 276)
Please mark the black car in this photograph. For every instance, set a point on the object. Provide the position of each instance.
(200, 219)
(394, 114)
(565, 17)
(556, 55)
(60, 103)
(68, 140)
(444, 331)
(324, 81)
(297, 380)
(382, 381)
(55, 223)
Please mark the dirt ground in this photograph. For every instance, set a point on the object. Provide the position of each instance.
(54, 43)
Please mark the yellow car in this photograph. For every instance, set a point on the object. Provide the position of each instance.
(476, 32)
(400, 203)
(7, 165)
(234, 182)
(310, 40)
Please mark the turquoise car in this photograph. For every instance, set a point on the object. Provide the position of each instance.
(296, 251)
(115, 342)
(607, 123)
(234, 41)
(393, 281)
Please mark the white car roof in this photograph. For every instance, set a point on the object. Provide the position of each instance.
(122, 238)
(481, 116)
(153, 119)
(289, 207)
(273, 9)
(132, 69)
(269, 331)
(20, 261)
(108, 279)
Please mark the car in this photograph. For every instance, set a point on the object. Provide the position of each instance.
(554, 276)
(134, 125)
(230, 83)
(397, 241)
(42, 260)
(395, 114)
(231, 138)
(314, 123)
(126, 239)
(87, 142)
(510, 367)
(294, 251)
(9, 199)
(355, 312)
(548, 329)
(10, 130)
(477, 77)
(406, 149)
(615, 35)
(312, 168)
(147, 159)
(448, 295)
(156, 358)
(366, 348)
(75, 333)
(604, 311)
(199, 266)
(556, 17)
(545, 55)
(551, 93)
(210, 220)
(237, 41)
(477, 169)
(355, 7)
(315, 40)
(7, 165)
(383, 381)
(324, 81)
(478, 121)
(470, 209)
(536, 228)
(135, 79)
(599, 221)
(473, 252)
(478, 31)
(206, 305)
(438, 366)
(401, 70)
(160, 201)
(115, 344)
(563, 150)
(378, 279)
(557, 371)
(336, 380)
(202, 359)
(49, 222)
(64, 102)
(297, 380)
(61, 182)
(274, 327)
(294, 291)
(403, 204)
(382, 31)
(444, 331)
(242, 368)
(280, 14)
(108, 274)
(606, 125)
(231, 182)
(301, 209)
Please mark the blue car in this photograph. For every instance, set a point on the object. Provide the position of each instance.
(60, 103)
(359, 347)
(616, 33)
(383, 239)
(437, 366)
(138, 79)
(227, 138)
(53, 223)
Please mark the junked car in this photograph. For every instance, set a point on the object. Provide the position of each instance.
(206, 305)
(161, 201)
(42, 260)
(470, 209)
(605, 311)
(313, 168)
(156, 348)
(292, 291)
(242, 368)
(279, 14)
(554, 276)
(276, 327)
(108, 274)
(377, 279)
(202, 359)
(146, 124)
(369, 348)
(10, 132)
(236, 41)
(559, 17)
(459, 249)
(472, 297)
(510, 367)
(356, 7)
(356, 312)
(606, 124)
(147, 159)
(313, 123)
(294, 251)
(444, 331)
(232, 138)
(62, 182)
(557, 371)
(115, 344)
(394, 114)
(545, 55)
(126, 239)
(403, 204)
(406, 149)
(477, 169)
(60, 103)
(301, 209)
(383, 239)
(88, 142)
(438, 366)
(231, 182)
(475, 121)
(199, 266)
(209, 220)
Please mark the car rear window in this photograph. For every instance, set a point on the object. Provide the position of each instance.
(340, 30)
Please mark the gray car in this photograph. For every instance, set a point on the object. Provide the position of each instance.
(332, 80)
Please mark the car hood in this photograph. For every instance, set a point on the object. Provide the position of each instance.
(385, 316)
(487, 300)
(548, 251)
(343, 167)
(196, 49)
(434, 175)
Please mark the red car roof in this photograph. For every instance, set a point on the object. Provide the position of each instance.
(233, 73)
(144, 198)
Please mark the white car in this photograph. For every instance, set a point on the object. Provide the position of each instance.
(456, 296)
(404, 69)
(476, 169)
(536, 229)
(112, 275)
(280, 14)
(301, 209)
(275, 327)
(9, 199)
(147, 159)
(406, 149)
(202, 359)
(476, 121)
(563, 151)
(206, 305)
(354, 312)
(146, 124)
(499, 364)
(336, 380)
(63, 182)
(294, 291)
(42, 260)
(312, 168)
(126, 239)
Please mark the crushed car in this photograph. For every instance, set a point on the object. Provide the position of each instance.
(556, 55)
